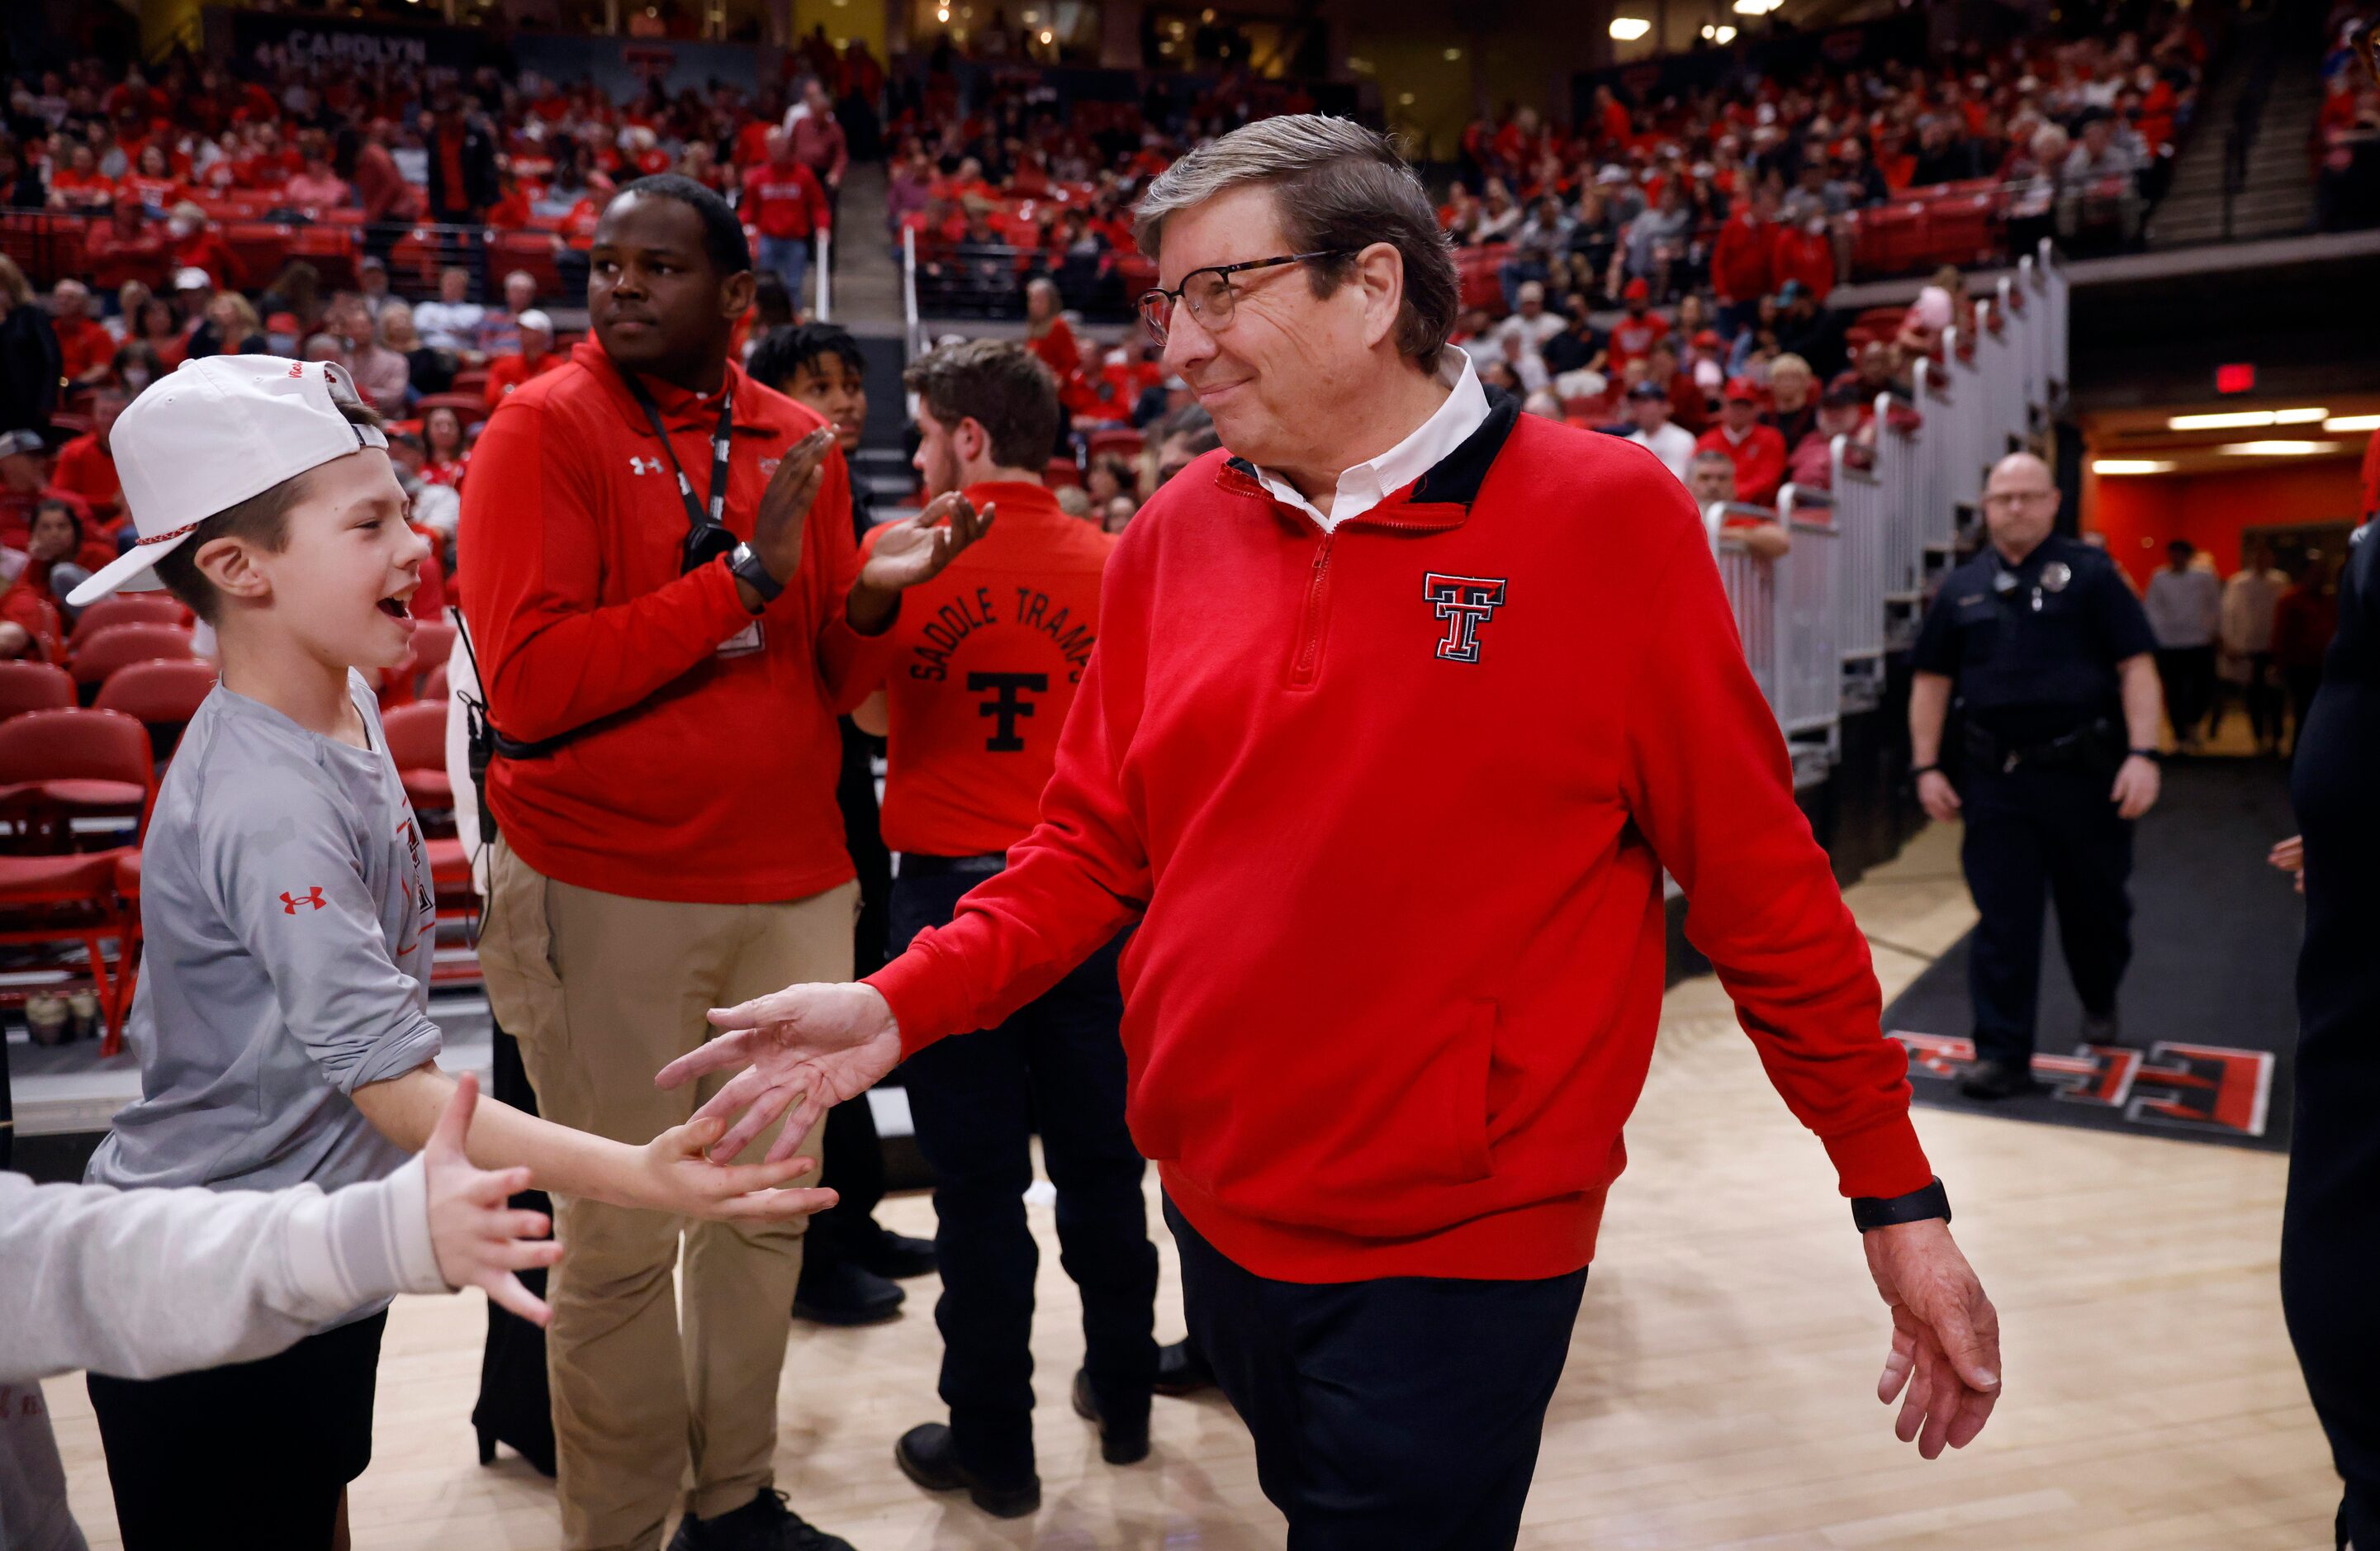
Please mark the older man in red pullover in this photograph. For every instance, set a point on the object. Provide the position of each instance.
(668, 609)
(1395, 860)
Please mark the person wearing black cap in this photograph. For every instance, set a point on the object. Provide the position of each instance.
(2054, 669)
(1649, 407)
(1809, 330)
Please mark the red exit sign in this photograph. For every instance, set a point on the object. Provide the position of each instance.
(2238, 378)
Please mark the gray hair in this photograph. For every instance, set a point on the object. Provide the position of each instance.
(1338, 187)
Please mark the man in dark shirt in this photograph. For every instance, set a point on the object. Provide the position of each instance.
(1579, 347)
(2054, 669)
(1944, 156)
(1807, 329)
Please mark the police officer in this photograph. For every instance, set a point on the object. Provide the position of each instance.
(2053, 667)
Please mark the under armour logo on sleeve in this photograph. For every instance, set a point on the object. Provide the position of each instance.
(311, 897)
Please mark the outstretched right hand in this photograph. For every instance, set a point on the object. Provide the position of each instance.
(805, 1048)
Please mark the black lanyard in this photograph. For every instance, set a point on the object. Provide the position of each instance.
(707, 536)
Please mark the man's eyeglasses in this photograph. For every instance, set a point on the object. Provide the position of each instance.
(1209, 292)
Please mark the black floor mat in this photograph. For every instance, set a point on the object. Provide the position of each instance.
(2209, 1006)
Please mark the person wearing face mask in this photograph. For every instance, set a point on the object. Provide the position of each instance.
(195, 242)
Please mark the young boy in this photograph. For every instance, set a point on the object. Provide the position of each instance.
(281, 1021)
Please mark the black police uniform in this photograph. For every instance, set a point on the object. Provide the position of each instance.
(2030, 650)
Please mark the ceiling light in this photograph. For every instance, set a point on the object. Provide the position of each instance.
(1724, 35)
(1453, 54)
(1048, 36)
(1628, 28)
(1708, 30)
(2278, 449)
(2352, 422)
(1755, 7)
(1405, 99)
(2131, 465)
(2233, 419)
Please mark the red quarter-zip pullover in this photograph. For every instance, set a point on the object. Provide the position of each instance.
(1391, 804)
(693, 773)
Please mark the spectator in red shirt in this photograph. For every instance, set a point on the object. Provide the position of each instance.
(24, 484)
(84, 344)
(1046, 334)
(152, 180)
(1811, 462)
(86, 466)
(1757, 451)
(1804, 248)
(785, 204)
(1741, 271)
(1639, 329)
(444, 454)
(535, 360)
(817, 142)
(80, 184)
(194, 241)
(379, 185)
(315, 186)
(126, 246)
(61, 537)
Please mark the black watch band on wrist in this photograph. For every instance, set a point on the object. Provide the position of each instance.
(745, 563)
(2154, 756)
(1883, 1211)
(1916, 770)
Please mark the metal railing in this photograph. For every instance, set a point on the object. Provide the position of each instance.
(915, 331)
(825, 310)
(1818, 620)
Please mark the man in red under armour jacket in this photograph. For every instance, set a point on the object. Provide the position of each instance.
(1396, 865)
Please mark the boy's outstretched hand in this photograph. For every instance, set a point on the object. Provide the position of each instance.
(480, 1241)
(674, 1176)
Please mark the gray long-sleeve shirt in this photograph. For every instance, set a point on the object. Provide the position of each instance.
(289, 921)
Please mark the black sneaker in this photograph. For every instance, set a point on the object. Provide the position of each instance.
(2101, 1028)
(929, 1456)
(763, 1524)
(1182, 1370)
(1998, 1079)
(835, 1292)
(895, 1255)
(1117, 1445)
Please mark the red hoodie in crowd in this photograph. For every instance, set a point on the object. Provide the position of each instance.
(1390, 805)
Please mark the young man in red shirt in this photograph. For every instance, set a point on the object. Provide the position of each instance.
(506, 373)
(785, 203)
(86, 464)
(1756, 449)
(987, 659)
(668, 608)
(1395, 981)
(87, 350)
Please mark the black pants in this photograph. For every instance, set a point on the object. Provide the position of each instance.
(2187, 674)
(2032, 835)
(1056, 1066)
(250, 1455)
(1404, 1411)
(2262, 695)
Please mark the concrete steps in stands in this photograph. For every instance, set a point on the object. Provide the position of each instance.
(2276, 195)
(867, 288)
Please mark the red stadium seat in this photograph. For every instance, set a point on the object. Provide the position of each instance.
(417, 746)
(33, 686)
(1060, 473)
(93, 661)
(130, 608)
(62, 899)
(162, 695)
(532, 251)
(57, 765)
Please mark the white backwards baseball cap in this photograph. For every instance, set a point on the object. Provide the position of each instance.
(202, 439)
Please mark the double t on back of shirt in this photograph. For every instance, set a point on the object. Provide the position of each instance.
(986, 660)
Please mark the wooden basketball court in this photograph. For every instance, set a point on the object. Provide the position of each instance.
(1720, 1390)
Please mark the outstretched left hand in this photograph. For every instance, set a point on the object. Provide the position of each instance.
(916, 550)
(1946, 1336)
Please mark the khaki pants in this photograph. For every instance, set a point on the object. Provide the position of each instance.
(602, 991)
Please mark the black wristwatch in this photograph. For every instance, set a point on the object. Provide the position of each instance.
(1916, 770)
(2154, 756)
(745, 565)
(1883, 1211)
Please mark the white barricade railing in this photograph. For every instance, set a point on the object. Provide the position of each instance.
(1815, 622)
(917, 334)
(1751, 584)
(1860, 520)
(825, 313)
(1809, 677)
(1897, 471)
(2055, 316)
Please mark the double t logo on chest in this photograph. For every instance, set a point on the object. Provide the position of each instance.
(1464, 604)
